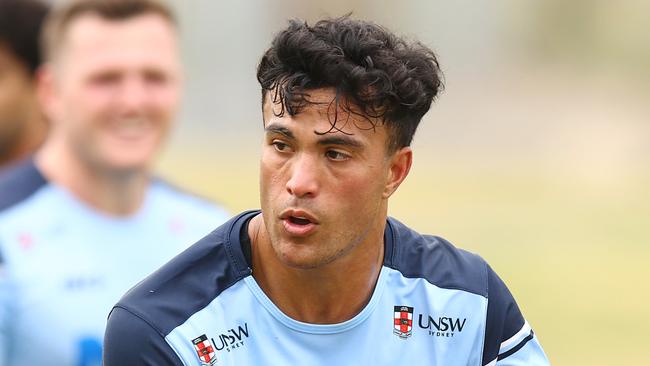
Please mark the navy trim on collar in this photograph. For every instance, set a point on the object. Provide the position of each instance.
(19, 182)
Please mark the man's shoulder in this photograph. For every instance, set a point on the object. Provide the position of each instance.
(190, 281)
(19, 182)
(434, 259)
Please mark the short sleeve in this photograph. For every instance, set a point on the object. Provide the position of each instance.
(130, 340)
(509, 339)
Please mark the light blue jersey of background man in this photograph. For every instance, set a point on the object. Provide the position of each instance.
(83, 220)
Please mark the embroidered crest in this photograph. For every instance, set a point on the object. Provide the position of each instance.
(205, 350)
(403, 321)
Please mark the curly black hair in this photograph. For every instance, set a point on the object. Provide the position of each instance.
(20, 25)
(375, 74)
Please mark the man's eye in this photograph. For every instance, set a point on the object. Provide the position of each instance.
(155, 77)
(280, 146)
(105, 78)
(336, 155)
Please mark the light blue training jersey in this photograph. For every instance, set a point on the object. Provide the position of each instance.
(433, 304)
(64, 265)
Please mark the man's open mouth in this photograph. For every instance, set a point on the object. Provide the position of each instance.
(299, 220)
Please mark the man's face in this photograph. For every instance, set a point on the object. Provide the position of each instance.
(322, 194)
(17, 99)
(115, 90)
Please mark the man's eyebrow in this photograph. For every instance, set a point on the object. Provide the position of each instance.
(273, 128)
(340, 140)
(326, 140)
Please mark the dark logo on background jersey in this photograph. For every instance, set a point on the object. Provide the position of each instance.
(205, 350)
(82, 282)
(403, 321)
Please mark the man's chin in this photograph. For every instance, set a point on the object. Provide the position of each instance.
(303, 258)
(126, 168)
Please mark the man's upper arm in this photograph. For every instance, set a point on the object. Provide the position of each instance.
(129, 340)
(509, 340)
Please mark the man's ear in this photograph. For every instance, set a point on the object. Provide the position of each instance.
(46, 89)
(399, 167)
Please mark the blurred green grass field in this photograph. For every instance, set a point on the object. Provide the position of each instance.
(573, 251)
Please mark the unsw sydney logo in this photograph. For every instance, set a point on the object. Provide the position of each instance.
(442, 326)
(206, 348)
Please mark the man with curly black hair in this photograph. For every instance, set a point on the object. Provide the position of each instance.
(22, 126)
(321, 275)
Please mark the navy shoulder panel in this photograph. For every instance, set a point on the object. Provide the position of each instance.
(434, 259)
(190, 281)
(19, 182)
(130, 341)
(504, 319)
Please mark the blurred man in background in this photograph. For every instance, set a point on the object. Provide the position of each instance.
(321, 275)
(22, 126)
(84, 220)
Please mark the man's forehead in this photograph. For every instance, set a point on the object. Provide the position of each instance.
(318, 125)
(321, 105)
(93, 33)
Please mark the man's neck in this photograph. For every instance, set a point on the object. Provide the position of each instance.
(330, 294)
(112, 193)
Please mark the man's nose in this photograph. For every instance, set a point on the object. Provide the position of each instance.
(304, 179)
(133, 94)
